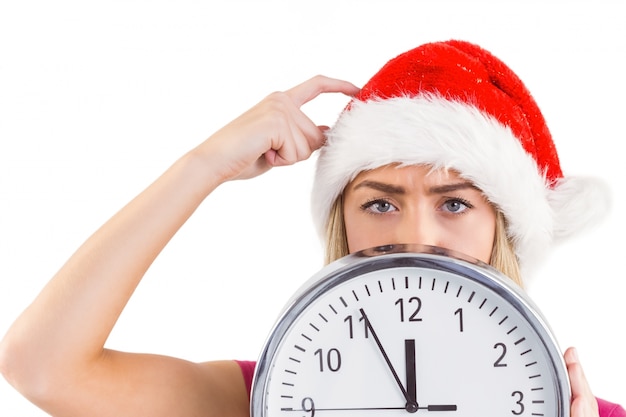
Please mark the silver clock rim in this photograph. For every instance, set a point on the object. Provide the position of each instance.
(413, 255)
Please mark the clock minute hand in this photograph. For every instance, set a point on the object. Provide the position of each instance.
(409, 402)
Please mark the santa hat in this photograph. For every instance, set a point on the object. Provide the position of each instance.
(455, 105)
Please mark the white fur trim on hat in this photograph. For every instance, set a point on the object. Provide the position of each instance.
(432, 130)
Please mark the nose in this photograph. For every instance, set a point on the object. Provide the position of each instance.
(420, 229)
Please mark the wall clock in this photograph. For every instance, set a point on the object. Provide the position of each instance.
(406, 329)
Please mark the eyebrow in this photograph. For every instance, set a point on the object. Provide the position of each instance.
(396, 189)
(446, 188)
(381, 186)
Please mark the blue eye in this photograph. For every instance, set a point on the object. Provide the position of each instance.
(456, 205)
(378, 207)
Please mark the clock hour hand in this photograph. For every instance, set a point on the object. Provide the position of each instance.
(411, 404)
(411, 380)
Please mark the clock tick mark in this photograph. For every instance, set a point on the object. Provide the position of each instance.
(445, 290)
(324, 318)
(380, 286)
(367, 290)
(294, 359)
(469, 300)
(525, 352)
(343, 302)
(406, 282)
(531, 364)
(503, 320)
(393, 283)
(301, 349)
(537, 389)
(493, 311)
(314, 327)
(432, 287)
(459, 291)
(289, 371)
(534, 376)
(306, 337)
(332, 308)
(520, 341)
(356, 297)
(419, 283)
(512, 330)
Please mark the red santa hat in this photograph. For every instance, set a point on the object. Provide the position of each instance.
(455, 105)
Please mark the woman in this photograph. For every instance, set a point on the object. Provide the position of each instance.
(406, 163)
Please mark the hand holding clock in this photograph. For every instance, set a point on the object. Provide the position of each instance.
(584, 403)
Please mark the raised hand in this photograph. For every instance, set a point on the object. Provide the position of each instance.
(54, 352)
(275, 132)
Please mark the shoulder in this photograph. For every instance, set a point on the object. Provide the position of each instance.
(608, 409)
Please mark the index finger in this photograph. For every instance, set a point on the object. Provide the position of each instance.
(308, 90)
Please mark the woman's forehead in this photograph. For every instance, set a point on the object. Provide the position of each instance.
(421, 173)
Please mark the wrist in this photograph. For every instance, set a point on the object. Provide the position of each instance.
(206, 166)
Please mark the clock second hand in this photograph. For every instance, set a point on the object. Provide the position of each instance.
(411, 404)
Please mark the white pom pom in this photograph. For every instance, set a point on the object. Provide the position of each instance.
(578, 203)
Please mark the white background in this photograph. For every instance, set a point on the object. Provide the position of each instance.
(98, 98)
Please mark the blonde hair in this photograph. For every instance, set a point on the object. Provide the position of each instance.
(503, 256)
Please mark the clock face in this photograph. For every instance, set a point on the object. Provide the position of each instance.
(410, 332)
